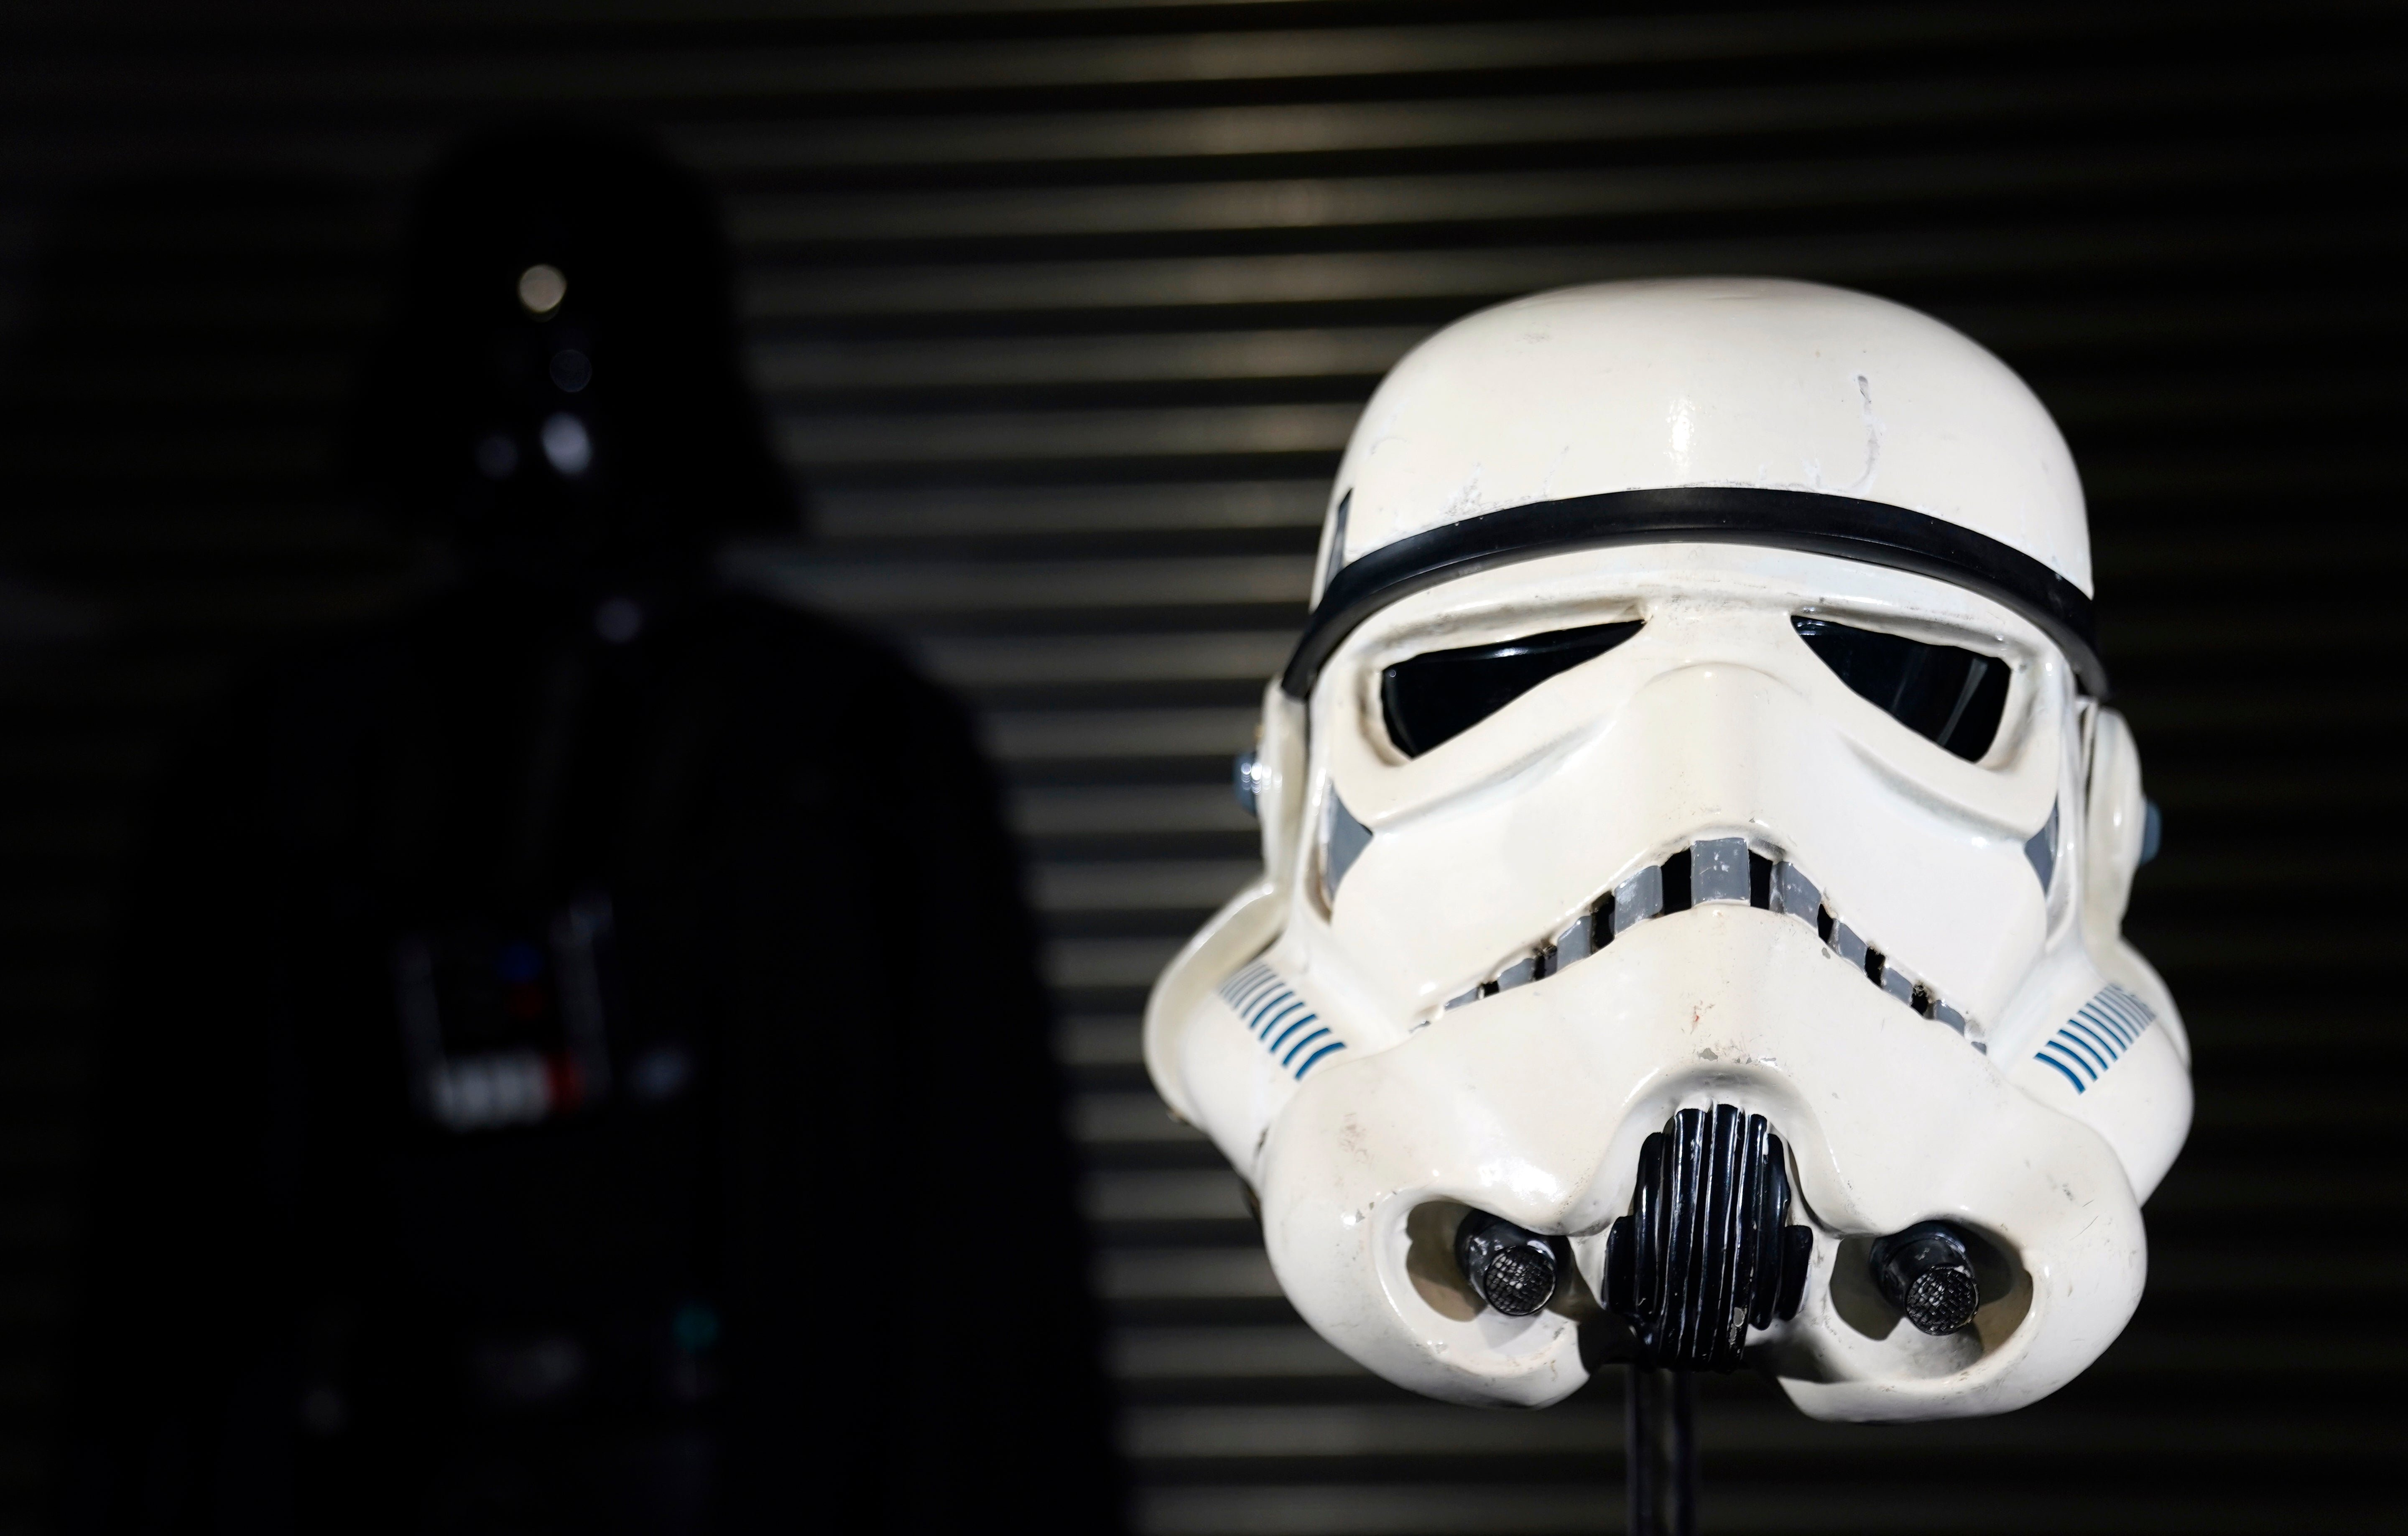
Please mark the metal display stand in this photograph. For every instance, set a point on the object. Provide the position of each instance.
(1660, 1410)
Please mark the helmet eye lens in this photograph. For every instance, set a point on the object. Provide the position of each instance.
(1940, 693)
(1439, 695)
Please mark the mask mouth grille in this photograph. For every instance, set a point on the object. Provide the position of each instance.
(1707, 1252)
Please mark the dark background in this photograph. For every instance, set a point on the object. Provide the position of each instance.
(1065, 308)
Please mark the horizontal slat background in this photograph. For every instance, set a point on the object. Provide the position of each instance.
(1066, 307)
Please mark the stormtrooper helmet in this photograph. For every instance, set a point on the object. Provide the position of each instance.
(1696, 845)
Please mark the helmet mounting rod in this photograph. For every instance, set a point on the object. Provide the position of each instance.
(1660, 1451)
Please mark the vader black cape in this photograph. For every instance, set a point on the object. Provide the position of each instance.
(796, 1250)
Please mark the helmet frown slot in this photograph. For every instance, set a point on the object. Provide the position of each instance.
(1725, 872)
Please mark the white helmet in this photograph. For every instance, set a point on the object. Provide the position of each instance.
(1695, 856)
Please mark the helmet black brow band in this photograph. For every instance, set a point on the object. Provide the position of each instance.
(1869, 531)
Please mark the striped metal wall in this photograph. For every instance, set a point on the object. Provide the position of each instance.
(1066, 307)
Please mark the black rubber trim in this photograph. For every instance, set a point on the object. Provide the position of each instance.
(1871, 531)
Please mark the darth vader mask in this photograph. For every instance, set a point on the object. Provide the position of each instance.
(1695, 850)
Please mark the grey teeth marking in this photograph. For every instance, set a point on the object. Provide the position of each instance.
(1718, 870)
(1794, 895)
(1722, 869)
(1636, 900)
(2041, 848)
(1848, 947)
(1529, 969)
(1898, 984)
(1343, 841)
(1573, 943)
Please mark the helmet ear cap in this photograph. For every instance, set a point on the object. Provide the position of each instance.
(1278, 780)
(2116, 825)
(1271, 776)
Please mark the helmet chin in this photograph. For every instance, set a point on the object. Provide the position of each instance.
(1534, 1105)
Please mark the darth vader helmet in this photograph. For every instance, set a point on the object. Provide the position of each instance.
(1695, 850)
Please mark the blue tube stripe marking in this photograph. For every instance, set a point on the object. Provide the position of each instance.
(1247, 986)
(2095, 1037)
(2061, 1066)
(2067, 1051)
(1269, 1008)
(2069, 1038)
(2111, 1022)
(1251, 1010)
(2132, 1010)
(1292, 1028)
(2060, 1053)
(1333, 1045)
(1255, 1001)
(1264, 1009)
(1293, 1003)
(1240, 991)
(1289, 1003)
(1300, 1045)
(1253, 976)
(2099, 1018)
(2106, 1011)
(1254, 995)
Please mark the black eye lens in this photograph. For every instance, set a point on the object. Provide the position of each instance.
(1439, 694)
(1950, 697)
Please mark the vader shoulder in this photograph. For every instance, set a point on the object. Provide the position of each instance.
(781, 678)
(788, 660)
